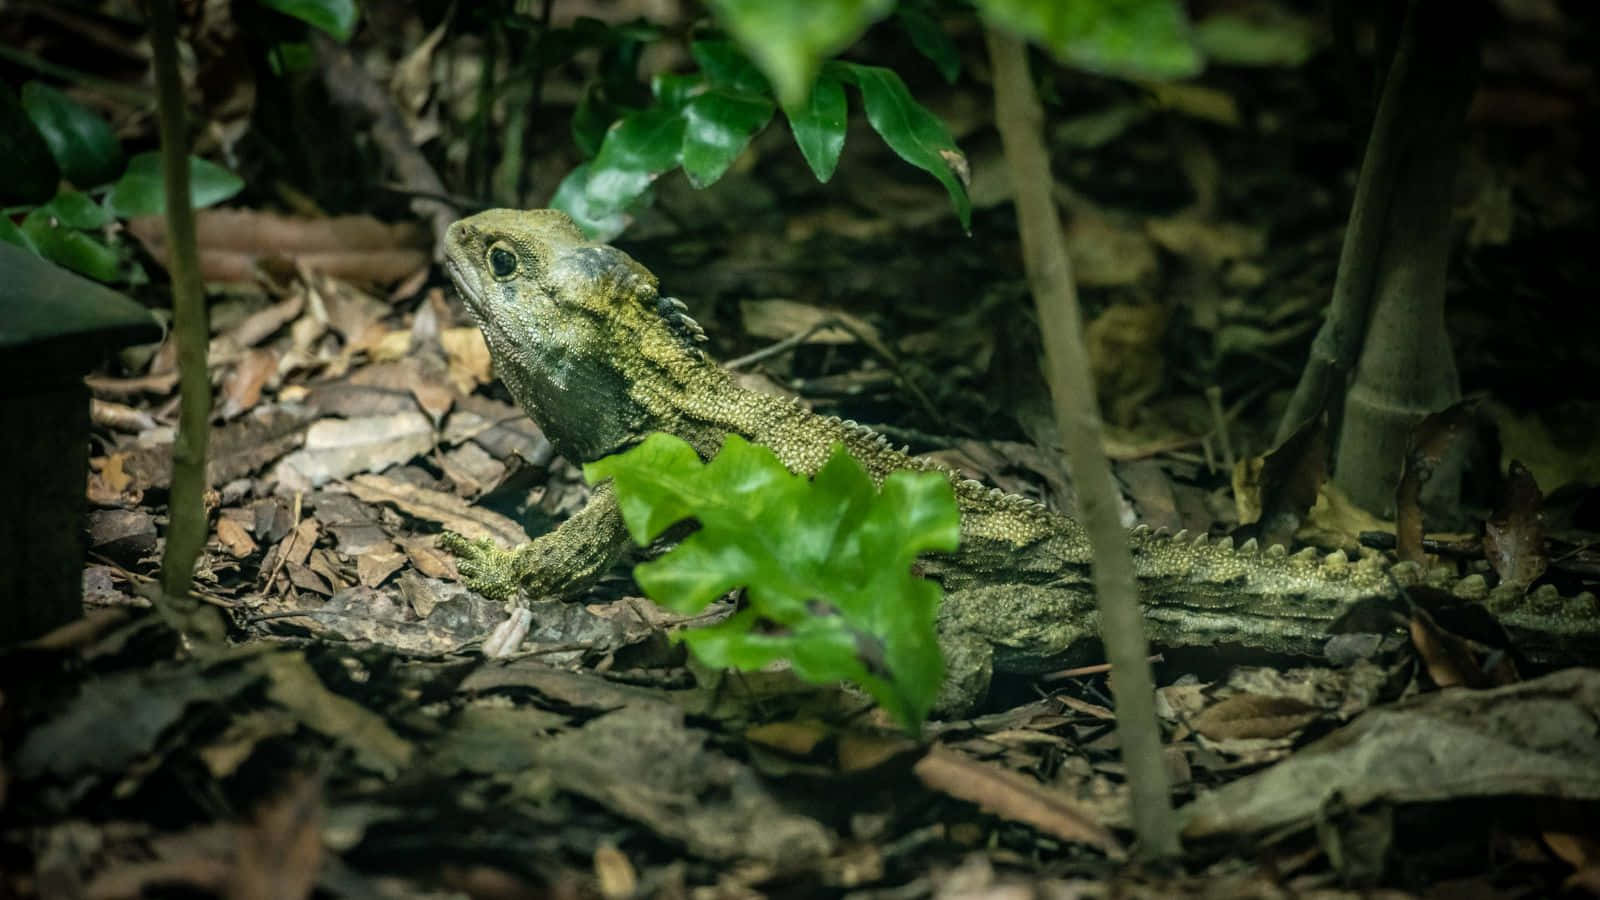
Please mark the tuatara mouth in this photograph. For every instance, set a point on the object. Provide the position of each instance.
(473, 300)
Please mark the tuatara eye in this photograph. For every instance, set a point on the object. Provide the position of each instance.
(502, 262)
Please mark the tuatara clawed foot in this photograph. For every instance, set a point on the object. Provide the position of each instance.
(486, 568)
(507, 636)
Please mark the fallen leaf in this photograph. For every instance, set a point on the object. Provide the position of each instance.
(279, 856)
(1534, 738)
(1013, 796)
(337, 448)
(234, 538)
(450, 511)
(1513, 537)
(1246, 716)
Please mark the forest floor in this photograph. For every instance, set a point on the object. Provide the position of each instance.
(348, 737)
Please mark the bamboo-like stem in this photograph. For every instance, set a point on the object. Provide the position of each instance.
(1019, 119)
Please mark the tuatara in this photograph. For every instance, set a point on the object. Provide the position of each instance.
(599, 357)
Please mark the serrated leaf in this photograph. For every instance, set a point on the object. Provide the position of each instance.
(819, 126)
(789, 41)
(336, 17)
(910, 129)
(1127, 38)
(82, 142)
(826, 563)
(141, 191)
(717, 125)
(70, 248)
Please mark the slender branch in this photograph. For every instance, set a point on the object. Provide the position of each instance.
(1338, 343)
(1020, 122)
(186, 528)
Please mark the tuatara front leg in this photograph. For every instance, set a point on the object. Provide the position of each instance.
(559, 564)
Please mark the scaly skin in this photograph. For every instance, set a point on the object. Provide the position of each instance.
(599, 358)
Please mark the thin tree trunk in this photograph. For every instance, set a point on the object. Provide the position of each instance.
(1020, 120)
(186, 517)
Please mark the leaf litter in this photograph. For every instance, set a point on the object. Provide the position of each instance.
(353, 739)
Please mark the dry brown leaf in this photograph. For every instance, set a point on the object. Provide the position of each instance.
(336, 448)
(614, 873)
(1204, 242)
(450, 511)
(1430, 441)
(262, 324)
(1126, 355)
(234, 538)
(468, 353)
(280, 856)
(241, 387)
(428, 559)
(798, 737)
(1253, 716)
(1013, 796)
(1276, 492)
(1452, 660)
(120, 416)
(373, 568)
(234, 243)
(1106, 254)
(350, 312)
(1513, 538)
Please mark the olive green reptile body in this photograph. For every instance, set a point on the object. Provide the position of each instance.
(595, 354)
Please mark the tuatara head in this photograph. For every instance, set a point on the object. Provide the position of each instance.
(577, 329)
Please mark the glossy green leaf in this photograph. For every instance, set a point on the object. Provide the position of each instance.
(910, 130)
(1127, 38)
(826, 563)
(1266, 36)
(930, 39)
(789, 41)
(572, 198)
(717, 126)
(141, 190)
(725, 65)
(76, 210)
(71, 248)
(336, 17)
(672, 90)
(82, 142)
(819, 126)
(637, 149)
(31, 173)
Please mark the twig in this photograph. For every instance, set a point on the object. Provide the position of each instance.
(1219, 422)
(876, 346)
(785, 345)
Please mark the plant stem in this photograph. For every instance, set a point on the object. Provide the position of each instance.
(186, 528)
(1019, 119)
(1338, 342)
